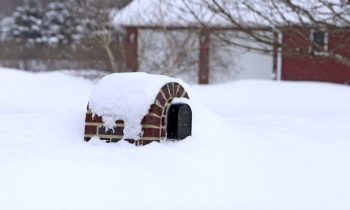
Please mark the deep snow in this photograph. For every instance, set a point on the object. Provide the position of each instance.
(255, 145)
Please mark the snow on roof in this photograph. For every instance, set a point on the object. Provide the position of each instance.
(127, 97)
(197, 12)
(166, 12)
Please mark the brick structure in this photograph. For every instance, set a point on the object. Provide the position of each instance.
(153, 124)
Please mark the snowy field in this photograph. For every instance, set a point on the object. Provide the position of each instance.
(255, 145)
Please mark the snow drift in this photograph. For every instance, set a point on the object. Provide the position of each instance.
(255, 145)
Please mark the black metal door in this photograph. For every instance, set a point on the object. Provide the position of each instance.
(179, 122)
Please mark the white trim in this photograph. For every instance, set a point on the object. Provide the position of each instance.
(326, 42)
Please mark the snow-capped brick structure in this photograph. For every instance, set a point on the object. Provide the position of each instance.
(132, 107)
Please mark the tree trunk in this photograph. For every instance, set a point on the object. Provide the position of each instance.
(111, 59)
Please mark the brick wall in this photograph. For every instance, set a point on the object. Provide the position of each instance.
(153, 124)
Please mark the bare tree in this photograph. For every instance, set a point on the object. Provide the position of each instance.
(261, 22)
(96, 17)
(174, 51)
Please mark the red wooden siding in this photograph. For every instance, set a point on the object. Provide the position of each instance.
(305, 67)
(131, 58)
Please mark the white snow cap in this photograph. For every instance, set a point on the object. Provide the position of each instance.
(127, 97)
(196, 12)
(167, 12)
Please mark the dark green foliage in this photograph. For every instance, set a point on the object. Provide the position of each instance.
(28, 22)
(58, 24)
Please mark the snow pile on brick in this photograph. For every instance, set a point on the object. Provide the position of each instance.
(127, 97)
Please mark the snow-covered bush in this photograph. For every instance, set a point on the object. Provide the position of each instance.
(58, 24)
(56, 36)
(52, 25)
(28, 23)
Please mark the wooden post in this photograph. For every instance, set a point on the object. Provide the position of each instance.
(275, 56)
(131, 55)
(204, 43)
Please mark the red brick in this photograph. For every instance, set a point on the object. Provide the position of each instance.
(98, 119)
(156, 110)
(88, 118)
(180, 92)
(93, 118)
(171, 89)
(151, 132)
(176, 86)
(166, 92)
(90, 129)
(161, 99)
(119, 131)
(151, 120)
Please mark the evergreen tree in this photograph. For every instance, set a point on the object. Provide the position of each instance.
(28, 22)
(58, 23)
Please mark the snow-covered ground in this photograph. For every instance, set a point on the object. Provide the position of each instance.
(255, 145)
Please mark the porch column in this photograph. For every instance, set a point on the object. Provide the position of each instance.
(275, 56)
(203, 66)
(131, 55)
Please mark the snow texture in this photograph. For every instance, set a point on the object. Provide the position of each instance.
(166, 12)
(255, 145)
(127, 97)
(251, 13)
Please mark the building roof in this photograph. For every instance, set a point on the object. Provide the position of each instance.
(189, 13)
(167, 13)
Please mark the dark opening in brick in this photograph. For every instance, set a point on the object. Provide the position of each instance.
(179, 123)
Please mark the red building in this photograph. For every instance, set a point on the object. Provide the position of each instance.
(311, 55)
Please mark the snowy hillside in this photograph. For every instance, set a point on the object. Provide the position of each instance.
(255, 145)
